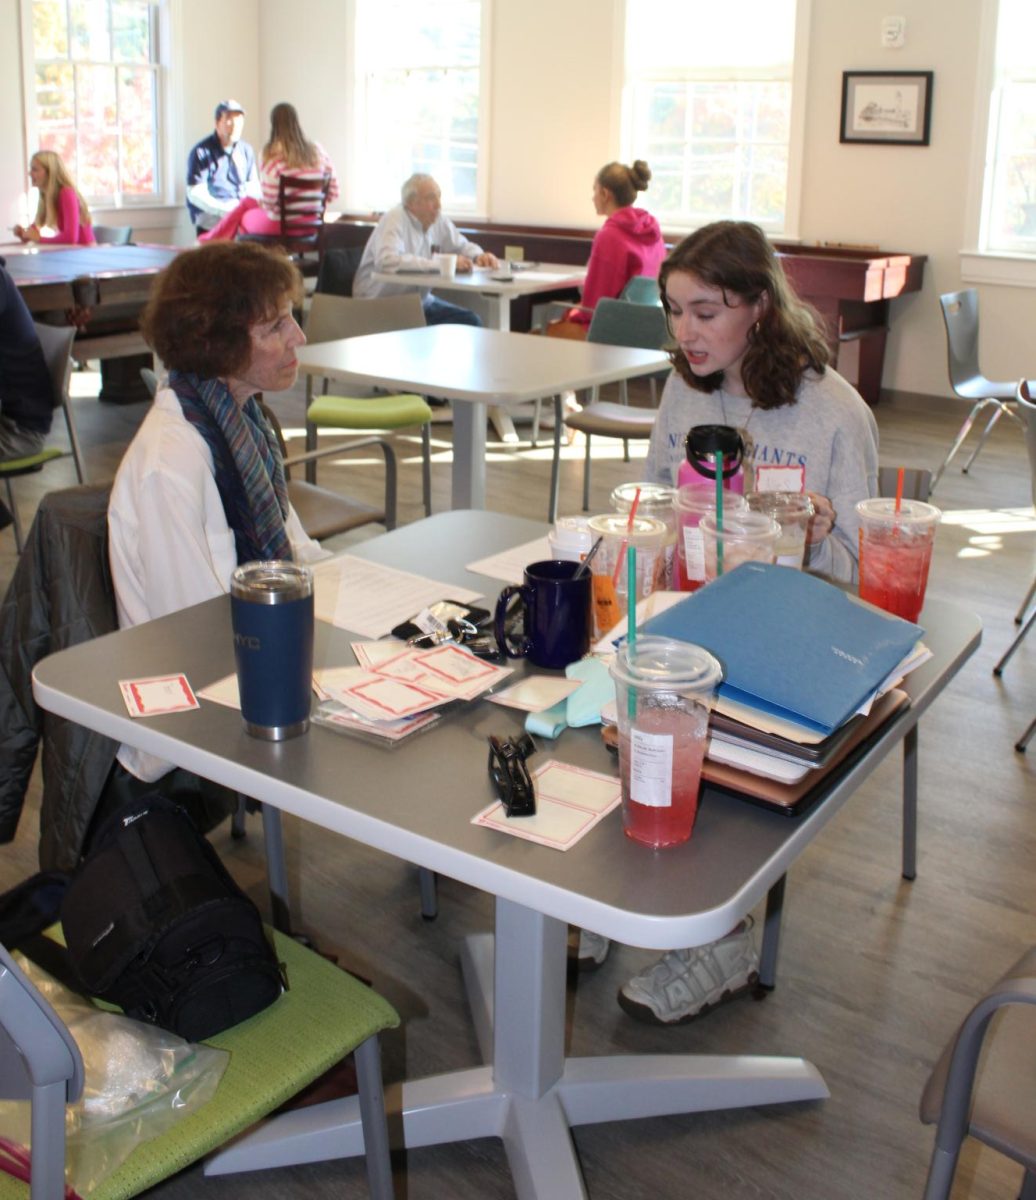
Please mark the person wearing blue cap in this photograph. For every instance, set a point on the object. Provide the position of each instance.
(221, 169)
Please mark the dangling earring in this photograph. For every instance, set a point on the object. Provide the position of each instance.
(755, 329)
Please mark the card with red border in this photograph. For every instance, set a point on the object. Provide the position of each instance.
(158, 694)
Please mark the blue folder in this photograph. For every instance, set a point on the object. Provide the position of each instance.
(790, 644)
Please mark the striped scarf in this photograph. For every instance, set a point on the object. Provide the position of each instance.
(246, 462)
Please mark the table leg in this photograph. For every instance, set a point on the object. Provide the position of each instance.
(771, 935)
(469, 455)
(910, 804)
(532, 1094)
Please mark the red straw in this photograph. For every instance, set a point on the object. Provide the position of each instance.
(621, 557)
(899, 489)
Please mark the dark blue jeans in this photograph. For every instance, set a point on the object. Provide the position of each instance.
(442, 312)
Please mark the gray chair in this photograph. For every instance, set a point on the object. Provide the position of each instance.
(113, 235)
(615, 323)
(642, 289)
(56, 341)
(1027, 413)
(333, 317)
(917, 483)
(960, 314)
(984, 1085)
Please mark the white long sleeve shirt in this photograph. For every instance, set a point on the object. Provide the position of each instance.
(169, 543)
(400, 241)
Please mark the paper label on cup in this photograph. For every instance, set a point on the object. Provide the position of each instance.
(790, 560)
(694, 551)
(651, 769)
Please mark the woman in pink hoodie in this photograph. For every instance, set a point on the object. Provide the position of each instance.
(628, 243)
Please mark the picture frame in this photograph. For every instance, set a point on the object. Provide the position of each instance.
(886, 107)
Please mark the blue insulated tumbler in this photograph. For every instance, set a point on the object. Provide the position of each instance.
(271, 609)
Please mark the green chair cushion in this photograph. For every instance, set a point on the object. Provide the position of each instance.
(31, 462)
(375, 412)
(324, 1014)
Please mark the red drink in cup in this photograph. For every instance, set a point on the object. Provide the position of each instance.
(664, 690)
(895, 554)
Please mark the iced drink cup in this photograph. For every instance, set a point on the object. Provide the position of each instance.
(663, 691)
(895, 553)
(744, 536)
(693, 503)
(792, 511)
(648, 536)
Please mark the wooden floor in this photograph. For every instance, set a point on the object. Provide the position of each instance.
(875, 972)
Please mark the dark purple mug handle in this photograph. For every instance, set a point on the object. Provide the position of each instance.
(499, 620)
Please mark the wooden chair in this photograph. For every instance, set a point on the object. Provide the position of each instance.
(324, 1015)
(56, 341)
(333, 317)
(302, 202)
(960, 314)
(615, 323)
(984, 1085)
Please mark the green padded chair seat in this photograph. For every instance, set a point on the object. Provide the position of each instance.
(376, 412)
(31, 462)
(320, 1019)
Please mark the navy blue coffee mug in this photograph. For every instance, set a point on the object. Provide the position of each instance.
(557, 616)
(271, 609)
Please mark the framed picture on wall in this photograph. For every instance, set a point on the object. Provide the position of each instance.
(886, 107)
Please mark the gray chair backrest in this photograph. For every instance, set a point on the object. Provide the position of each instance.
(333, 317)
(56, 342)
(960, 313)
(338, 267)
(642, 289)
(113, 235)
(917, 482)
(622, 323)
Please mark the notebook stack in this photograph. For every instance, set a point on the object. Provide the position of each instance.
(809, 673)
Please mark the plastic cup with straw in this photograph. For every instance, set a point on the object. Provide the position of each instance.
(717, 460)
(620, 557)
(631, 613)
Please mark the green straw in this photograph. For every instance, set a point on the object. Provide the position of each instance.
(717, 459)
(631, 618)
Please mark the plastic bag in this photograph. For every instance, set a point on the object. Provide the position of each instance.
(139, 1080)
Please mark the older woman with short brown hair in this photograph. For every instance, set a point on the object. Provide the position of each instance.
(201, 487)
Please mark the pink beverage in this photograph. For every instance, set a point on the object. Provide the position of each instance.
(895, 553)
(894, 571)
(663, 693)
(663, 753)
(693, 503)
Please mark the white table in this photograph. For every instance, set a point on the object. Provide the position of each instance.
(498, 286)
(475, 368)
(528, 1093)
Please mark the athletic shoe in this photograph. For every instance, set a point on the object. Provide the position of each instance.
(593, 950)
(685, 984)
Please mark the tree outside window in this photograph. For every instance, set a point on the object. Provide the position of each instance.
(708, 101)
(94, 97)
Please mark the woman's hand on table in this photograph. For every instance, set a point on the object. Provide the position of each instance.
(26, 233)
(823, 519)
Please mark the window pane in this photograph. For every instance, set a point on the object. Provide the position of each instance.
(97, 172)
(95, 91)
(49, 31)
(55, 95)
(138, 163)
(131, 31)
(90, 37)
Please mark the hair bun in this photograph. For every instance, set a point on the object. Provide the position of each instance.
(640, 175)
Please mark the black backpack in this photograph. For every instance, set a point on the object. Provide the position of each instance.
(153, 923)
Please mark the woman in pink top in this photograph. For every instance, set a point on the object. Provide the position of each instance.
(60, 207)
(288, 152)
(628, 243)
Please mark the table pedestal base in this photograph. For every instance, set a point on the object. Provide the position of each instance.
(532, 1095)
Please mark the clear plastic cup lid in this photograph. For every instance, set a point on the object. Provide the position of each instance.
(691, 498)
(653, 495)
(665, 663)
(645, 531)
(743, 524)
(912, 513)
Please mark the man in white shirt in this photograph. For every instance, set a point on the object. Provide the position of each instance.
(407, 238)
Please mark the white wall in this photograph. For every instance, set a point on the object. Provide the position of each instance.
(555, 74)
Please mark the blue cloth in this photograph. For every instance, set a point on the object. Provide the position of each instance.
(26, 396)
(442, 312)
(226, 170)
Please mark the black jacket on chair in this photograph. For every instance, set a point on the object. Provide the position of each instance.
(61, 594)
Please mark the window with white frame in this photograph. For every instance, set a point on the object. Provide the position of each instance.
(93, 93)
(1009, 208)
(418, 78)
(708, 104)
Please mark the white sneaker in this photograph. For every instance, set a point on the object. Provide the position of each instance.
(685, 984)
(593, 950)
